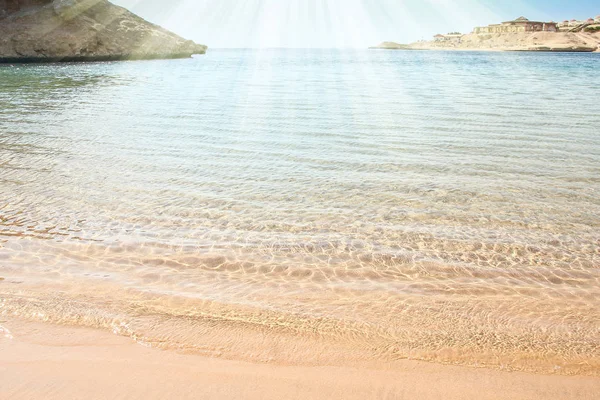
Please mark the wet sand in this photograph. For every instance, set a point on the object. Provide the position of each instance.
(42, 361)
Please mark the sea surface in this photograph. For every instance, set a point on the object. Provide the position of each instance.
(311, 206)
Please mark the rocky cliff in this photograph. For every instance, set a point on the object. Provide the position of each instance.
(83, 30)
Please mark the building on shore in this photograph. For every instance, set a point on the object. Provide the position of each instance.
(521, 24)
(566, 25)
(575, 25)
(453, 37)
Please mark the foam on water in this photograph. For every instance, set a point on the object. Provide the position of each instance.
(311, 206)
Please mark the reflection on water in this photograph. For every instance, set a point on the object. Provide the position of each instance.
(311, 206)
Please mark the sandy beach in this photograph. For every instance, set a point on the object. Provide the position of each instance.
(42, 361)
(301, 224)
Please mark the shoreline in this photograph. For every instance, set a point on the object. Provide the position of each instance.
(507, 50)
(47, 361)
(84, 59)
(486, 50)
(256, 335)
(535, 42)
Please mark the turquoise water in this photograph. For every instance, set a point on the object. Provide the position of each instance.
(435, 205)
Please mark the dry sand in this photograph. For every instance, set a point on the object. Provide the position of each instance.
(41, 361)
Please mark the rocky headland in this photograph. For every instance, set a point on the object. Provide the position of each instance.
(83, 30)
(393, 46)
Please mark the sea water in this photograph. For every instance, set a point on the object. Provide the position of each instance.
(311, 206)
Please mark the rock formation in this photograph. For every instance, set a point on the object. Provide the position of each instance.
(83, 30)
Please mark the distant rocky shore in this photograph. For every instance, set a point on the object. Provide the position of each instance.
(519, 41)
(520, 34)
(392, 46)
(83, 30)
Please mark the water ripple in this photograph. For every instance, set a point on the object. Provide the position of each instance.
(375, 205)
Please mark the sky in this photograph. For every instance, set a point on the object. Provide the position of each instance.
(340, 23)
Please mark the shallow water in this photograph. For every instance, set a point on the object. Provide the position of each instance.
(311, 206)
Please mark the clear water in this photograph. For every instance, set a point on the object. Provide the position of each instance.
(304, 206)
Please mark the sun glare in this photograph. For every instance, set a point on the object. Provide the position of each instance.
(318, 23)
